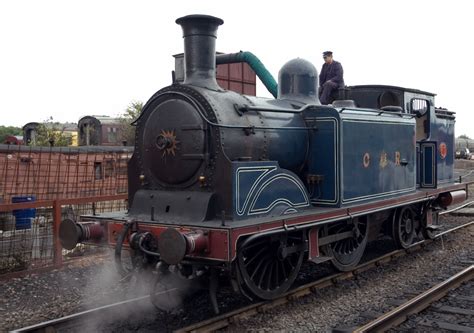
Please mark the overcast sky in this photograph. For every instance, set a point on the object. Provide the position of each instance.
(67, 59)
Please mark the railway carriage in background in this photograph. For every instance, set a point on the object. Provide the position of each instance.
(100, 131)
(49, 173)
(229, 185)
(32, 130)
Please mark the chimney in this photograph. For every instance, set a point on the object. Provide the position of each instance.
(200, 33)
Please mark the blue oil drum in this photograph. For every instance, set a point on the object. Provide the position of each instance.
(23, 217)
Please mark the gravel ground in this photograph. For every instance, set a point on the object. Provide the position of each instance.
(92, 281)
(89, 283)
(39, 297)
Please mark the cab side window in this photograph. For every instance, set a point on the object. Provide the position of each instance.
(420, 107)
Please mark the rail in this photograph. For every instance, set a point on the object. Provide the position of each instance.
(76, 320)
(457, 208)
(417, 304)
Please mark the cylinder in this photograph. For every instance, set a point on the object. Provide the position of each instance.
(452, 198)
(196, 242)
(173, 245)
(71, 233)
(200, 33)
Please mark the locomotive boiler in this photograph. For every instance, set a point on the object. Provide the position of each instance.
(247, 188)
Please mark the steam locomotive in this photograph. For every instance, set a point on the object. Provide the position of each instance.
(247, 188)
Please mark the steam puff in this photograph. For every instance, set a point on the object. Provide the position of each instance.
(166, 287)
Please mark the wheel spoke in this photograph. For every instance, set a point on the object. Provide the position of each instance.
(353, 244)
(255, 256)
(277, 273)
(269, 277)
(291, 265)
(260, 264)
(349, 245)
(262, 275)
(285, 274)
(342, 247)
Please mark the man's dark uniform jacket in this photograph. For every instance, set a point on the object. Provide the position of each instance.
(333, 72)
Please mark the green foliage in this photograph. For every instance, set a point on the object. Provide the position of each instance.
(131, 113)
(51, 132)
(9, 130)
(464, 136)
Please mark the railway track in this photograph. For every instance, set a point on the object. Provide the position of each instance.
(78, 320)
(425, 300)
(227, 319)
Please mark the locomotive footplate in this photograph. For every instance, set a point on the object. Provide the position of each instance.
(261, 256)
(214, 241)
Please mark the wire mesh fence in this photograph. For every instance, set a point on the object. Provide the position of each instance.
(39, 187)
(26, 248)
(47, 173)
(28, 242)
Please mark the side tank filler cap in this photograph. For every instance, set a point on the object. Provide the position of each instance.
(298, 81)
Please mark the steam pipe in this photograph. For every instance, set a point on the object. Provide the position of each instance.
(248, 57)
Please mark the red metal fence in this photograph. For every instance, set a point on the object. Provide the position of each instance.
(38, 246)
(64, 182)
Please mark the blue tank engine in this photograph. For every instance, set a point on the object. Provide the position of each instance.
(224, 184)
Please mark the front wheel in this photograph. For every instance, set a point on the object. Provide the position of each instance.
(269, 265)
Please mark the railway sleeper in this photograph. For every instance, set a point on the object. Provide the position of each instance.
(435, 324)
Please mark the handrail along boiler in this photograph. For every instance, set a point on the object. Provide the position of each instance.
(223, 184)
